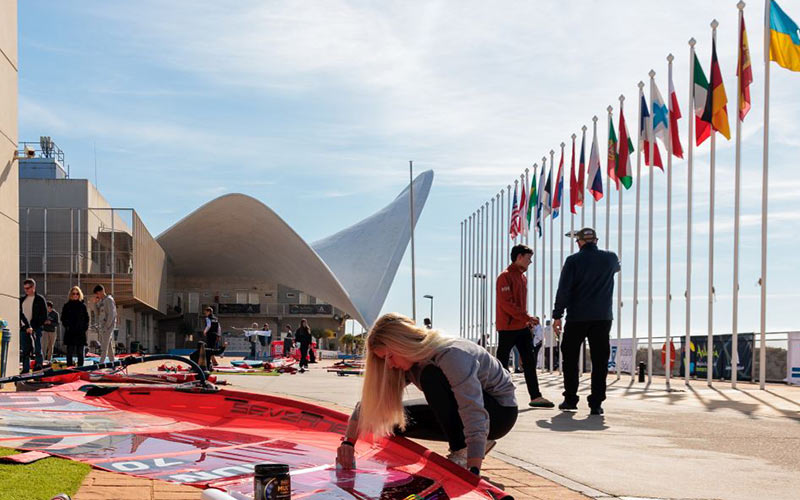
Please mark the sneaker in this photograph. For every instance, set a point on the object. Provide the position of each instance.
(541, 402)
(459, 457)
(490, 443)
(566, 406)
(596, 410)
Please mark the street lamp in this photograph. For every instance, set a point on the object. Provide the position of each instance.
(430, 297)
(482, 277)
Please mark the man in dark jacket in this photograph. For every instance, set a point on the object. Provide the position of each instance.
(585, 290)
(303, 337)
(32, 315)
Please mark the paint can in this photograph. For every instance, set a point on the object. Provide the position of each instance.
(272, 482)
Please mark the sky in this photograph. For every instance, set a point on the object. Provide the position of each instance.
(315, 108)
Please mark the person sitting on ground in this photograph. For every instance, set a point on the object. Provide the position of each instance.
(469, 396)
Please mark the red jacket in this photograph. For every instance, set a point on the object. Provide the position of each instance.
(512, 299)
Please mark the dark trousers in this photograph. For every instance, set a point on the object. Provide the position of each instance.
(574, 334)
(74, 350)
(437, 418)
(523, 340)
(304, 355)
(31, 346)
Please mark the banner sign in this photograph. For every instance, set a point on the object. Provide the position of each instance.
(721, 356)
(621, 356)
(310, 309)
(793, 359)
(239, 308)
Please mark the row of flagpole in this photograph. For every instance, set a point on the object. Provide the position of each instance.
(488, 234)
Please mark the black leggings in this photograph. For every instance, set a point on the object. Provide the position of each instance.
(437, 418)
(523, 340)
(74, 350)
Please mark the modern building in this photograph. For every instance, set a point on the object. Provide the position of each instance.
(234, 254)
(9, 223)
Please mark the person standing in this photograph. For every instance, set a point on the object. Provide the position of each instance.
(585, 290)
(288, 342)
(105, 316)
(303, 337)
(267, 339)
(514, 325)
(50, 332)
(32, 315)
(75, 318)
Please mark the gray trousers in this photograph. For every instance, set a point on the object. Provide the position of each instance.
(106, 345)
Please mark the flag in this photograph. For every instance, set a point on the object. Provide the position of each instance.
(514, 225)
(547, 195)
(595, 177)
(660, 114)
(581, 172)
(744, 72)
(644, 131)
(719, 100)
(611, 166)
(523, 209)
(674, 116)
(540, 200)
(573, 183)
(702, 122)
(558, 195)
(532, 200)
(624, 169)
(784, 38)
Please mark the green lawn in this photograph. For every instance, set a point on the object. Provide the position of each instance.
(41, 480)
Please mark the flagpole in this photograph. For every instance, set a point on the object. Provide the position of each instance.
(479, 284)
(571, 215)
(550, 308)
(635, 346)
(668, 299)
(413, 273)
(498, 260)
(594, 201)
(544, 241)
(561, 258)
(490, 272)
(710, 346)
(736, 206)
(582, 182)
(652, 138)
(470, 271)
(619, 247)
(608, 183)
(461, 285)
(687, 354)
(485, 272)
(762, 355)
(523, 217)
(535, 267)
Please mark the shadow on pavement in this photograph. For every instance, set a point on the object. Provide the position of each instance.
(566, 422)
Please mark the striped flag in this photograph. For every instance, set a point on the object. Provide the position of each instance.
(644, 130)
(702, 122)
(523, 209)
(573, 183)
(582, 171)
(559, 187)
(533, 199)
(624, 169)
(540, 200)
(719, 100)
(744, 72)
(595, 177)
(514, 224)
(613, 157)
(674, 116)
(784, 36)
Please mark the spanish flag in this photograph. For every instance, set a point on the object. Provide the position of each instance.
(718, 104)
(784, 38)
(744, 72)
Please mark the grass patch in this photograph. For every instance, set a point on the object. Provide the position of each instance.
(41, 480)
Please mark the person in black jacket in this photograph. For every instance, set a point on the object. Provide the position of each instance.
(303, 337)
(585, 290)
(32, 315)
(75, 318)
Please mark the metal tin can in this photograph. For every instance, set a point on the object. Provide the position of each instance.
(272, 482)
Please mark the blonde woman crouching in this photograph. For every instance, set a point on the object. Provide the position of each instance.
(469, 397)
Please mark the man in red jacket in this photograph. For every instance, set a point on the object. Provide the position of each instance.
(514, 325)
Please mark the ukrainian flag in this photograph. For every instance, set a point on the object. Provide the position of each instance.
(784, 46)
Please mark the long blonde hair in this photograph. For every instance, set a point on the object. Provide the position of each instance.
(75, 288)
(382, 393)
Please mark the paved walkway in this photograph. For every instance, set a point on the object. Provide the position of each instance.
(688, 443)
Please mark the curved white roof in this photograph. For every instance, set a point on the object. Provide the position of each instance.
(237, 236)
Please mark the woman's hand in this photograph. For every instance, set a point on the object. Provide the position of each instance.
(346, 456)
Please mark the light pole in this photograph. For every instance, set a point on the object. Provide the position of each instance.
(482, 277)
(430, 297)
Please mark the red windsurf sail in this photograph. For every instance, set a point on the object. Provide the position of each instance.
(215, 440)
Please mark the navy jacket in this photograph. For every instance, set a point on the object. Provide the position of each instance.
(586, 286)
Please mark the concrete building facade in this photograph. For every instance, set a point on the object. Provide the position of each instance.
(9, 221)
